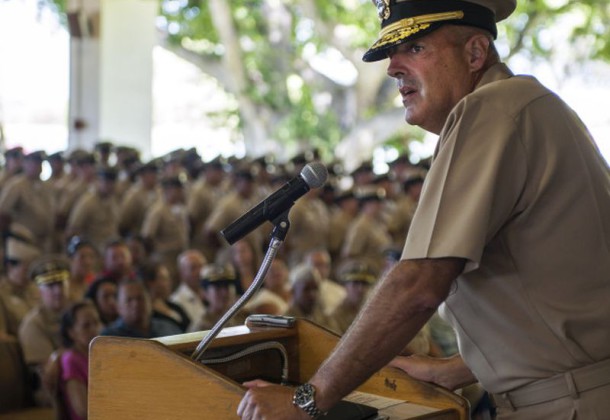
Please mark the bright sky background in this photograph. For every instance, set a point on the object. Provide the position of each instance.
(34, 88)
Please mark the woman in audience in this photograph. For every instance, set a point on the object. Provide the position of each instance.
(157, 280)
(80, 323)
(103, 293)
(84, 263)
(244, 259)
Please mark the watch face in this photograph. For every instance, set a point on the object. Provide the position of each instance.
(304, 395)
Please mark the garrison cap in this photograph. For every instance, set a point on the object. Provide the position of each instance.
(107, 173)
(57, 156)
(15, 152)
(103, 146)
(355, 270)
(82, 157)
(217, 274)
(172, 182)
(403, 20)
(344, 195)
(38, 155)
(412, 180)
(50, 269)
(370, 193)
(150, 166)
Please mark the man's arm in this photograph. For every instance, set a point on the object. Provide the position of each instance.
(401, 304)
(449, 372)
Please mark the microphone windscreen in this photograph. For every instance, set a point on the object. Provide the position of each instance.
(314, 174)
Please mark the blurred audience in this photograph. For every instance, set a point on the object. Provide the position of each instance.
(219, 284)
(306, 303)
(135, 314)
(103, 293)
(39, 334)
(274, 295)
(156, 278)
(189, 294)
(80, 324)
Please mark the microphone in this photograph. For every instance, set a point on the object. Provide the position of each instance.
(313, 175)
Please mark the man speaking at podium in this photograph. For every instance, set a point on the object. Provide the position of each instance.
(511, 234)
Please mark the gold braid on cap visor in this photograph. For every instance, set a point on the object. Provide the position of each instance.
(360, 277)
(54, 277)
(404, 28)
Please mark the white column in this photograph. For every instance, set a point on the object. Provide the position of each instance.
(112, 74)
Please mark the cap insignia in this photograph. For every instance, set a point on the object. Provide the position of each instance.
(383, 9)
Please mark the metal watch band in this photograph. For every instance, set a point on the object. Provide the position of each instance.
(304, 398)
(312, 410)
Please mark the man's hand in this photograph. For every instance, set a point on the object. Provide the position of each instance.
(451, 373)
(267, 401)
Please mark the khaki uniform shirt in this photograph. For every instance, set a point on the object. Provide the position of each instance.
(39, 335)
(518, 189)
(309, 222)
(399, 220)
(15, 304)
(200, 203)
(366, 238)
(343, 316)
(166, 227)
(340, 221)
(31, 204)
(95, 218)
(134, 205)
(72, 192)
(230, 208)
(317, 315)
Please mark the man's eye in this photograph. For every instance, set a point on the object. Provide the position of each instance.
(416, 48)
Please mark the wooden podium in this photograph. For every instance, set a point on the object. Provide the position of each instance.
(157, 379)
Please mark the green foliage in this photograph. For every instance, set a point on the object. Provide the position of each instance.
(269, 58)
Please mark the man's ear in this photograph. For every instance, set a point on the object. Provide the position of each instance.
(477, 49)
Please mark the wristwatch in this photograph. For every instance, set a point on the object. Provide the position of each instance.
(305, 399)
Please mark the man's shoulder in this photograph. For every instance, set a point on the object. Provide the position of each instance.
(501, 89)
(33, 320)
(117, 328)
(162, 327)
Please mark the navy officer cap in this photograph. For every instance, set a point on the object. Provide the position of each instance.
(403, 20)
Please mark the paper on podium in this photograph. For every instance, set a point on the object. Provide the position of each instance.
(390, 408)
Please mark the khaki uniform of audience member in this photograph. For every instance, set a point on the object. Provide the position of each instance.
(134, 206)
(96, 217)
(83, 166)
(230, 208)
(17, 300)
(367, 237)
(166, 227)
(12, 167)
(200, 203)
(340, 220)
(400, 219)
(136, 202)
(39, 333)
(309, 222)
(15, 305)
(31, 203)
(306, 303)
(356, 272)
(218, 276)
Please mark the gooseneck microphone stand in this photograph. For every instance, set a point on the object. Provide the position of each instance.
(278, 235)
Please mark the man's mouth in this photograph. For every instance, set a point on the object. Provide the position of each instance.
(406, 90)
